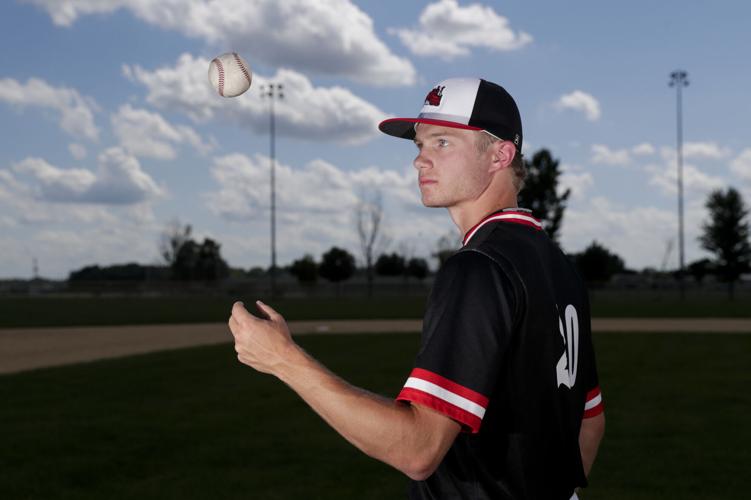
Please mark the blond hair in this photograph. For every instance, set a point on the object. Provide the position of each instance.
(485, 139)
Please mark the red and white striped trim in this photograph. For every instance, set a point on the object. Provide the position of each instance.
(433, 121)
(441, 394)
(594, 405)
(517, 217)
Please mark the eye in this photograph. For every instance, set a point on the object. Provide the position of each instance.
(442, 143)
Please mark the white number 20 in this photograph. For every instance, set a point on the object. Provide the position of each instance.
(566, 368)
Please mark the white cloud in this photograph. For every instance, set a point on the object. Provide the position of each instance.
(637, 234)
(741, 165)
(146, 134)
(76, 111)
(665, 177)
(118, 180)
(126, 237)
(704, 150)
(315, 206)
(56, 184)
(307, 112)
(78, 151)
(577, 179)
(21, 200)
(582, 102)
(643, 149)
(64, 235)
(318, 188)
(448, 30)
(603, 154)
(327, 37)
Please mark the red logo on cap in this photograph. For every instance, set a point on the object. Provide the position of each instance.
(434, 96)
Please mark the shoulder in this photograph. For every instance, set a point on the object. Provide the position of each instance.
(471, 262)
(476, 268)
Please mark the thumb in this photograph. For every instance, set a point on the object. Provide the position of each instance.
(239, 311)
(268, 311)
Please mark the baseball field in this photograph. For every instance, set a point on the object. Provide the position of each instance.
(128, 310)
(193, 423)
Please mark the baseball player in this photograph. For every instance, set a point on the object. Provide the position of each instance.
(503, 401)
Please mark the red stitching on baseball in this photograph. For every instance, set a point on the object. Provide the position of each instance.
(242, 66)
(221, 76)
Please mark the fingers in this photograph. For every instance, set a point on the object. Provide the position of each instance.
(268, 311)
(240, 313)
(233, 324)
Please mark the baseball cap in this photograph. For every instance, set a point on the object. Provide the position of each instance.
(468, 103)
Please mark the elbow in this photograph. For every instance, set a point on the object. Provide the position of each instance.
(420, 468)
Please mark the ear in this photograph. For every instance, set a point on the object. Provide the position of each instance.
(503, 153)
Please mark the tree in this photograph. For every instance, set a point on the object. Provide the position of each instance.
(726, 235)
(417, 268)
(446, 246)
(199, 262)
(209, 265)
(369, 215)
(117, 272)
(390, 265)
(699, 269)
(336, 266)
(184, 265)
(305, 270)
(172, 238)
(597, 264)
(540, 193)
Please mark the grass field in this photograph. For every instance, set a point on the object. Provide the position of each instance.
(78, 311)
(194, 424)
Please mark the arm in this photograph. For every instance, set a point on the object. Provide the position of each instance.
(590, 435)
(411, 438)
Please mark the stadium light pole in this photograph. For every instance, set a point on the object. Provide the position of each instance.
(679, 79)
(272, 91)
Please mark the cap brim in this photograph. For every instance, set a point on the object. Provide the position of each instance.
(404, 128)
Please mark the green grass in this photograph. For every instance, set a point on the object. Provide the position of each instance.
(677, 416)
(80, 311)
(195, 424)
(668, 304)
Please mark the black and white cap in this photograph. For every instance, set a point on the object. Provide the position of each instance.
(468, 103)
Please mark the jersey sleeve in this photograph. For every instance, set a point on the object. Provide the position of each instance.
(466, 330)
(593, 403)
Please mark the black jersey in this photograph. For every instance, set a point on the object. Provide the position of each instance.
(507, 352)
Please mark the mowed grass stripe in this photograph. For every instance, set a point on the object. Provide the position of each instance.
(195, 424)
(19, 312)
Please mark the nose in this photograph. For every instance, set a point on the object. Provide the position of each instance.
(421, 162)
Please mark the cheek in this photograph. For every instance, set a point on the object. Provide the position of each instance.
(473, 177)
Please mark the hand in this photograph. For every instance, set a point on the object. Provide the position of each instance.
(262, 344)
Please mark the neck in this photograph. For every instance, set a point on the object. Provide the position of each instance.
(466, 215)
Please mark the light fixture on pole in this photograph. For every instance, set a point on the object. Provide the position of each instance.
(272, 91)
(679, 79)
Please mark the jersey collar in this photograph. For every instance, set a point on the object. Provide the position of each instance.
(516, 215)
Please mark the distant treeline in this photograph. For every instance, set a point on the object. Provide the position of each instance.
(121, 272)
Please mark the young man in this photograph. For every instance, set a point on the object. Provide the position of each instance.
(503, 402)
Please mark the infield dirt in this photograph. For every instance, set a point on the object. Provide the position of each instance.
(24, 349)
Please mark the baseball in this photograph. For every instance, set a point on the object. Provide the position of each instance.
(230, 75)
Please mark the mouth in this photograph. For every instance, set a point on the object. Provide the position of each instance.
(424, 182)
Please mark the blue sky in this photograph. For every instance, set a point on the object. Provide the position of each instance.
(111, 131)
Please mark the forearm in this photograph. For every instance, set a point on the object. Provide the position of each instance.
(590, 435)
(413, 439)
(383, 429)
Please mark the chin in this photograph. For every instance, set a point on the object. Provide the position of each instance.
(432, 203)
